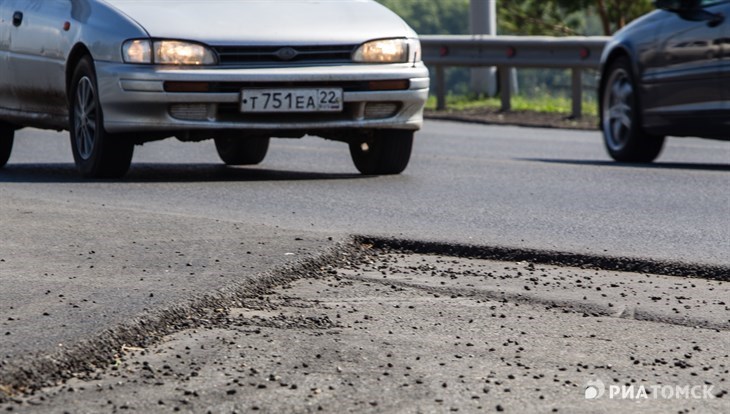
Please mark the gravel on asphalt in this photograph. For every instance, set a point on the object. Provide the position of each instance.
(396, 332)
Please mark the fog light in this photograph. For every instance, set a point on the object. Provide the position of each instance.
(189, 112)
(380, 110)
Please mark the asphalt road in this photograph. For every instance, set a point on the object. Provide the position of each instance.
(506, 186)
(81, 257)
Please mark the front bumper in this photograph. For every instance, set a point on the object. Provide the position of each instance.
(134, 98)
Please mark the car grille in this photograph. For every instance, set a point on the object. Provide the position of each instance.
(282, 55)
(347, 86)
(228, 112)
(232, 113)
(352, 111)
(236, 87)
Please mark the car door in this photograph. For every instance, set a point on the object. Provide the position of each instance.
(686, 77)
(5, 24)
(38, 48)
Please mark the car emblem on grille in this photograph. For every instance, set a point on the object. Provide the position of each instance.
(286, 53)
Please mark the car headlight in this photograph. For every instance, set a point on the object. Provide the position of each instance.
(171, 52)
(167, 52)
(382, 51)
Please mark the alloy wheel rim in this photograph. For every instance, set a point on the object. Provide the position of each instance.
(85, 118)
(618, 110)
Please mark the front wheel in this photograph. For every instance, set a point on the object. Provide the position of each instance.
(6, 144)
(97, 153)
(386, 152)
(623, 135)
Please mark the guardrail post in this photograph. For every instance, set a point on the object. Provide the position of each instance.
(440, 88)
(505, 88)
(577, 92)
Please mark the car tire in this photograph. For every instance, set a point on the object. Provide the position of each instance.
(97, 153)
(387, 152)
(621, 123)
(237, 150)
(7, 135)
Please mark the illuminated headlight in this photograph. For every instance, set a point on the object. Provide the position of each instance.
(170, 52)
(167, 52)
(383, 51)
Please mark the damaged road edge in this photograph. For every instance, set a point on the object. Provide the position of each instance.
(37, 371)
(556, 258)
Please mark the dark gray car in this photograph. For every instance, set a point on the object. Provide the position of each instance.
(667, 74)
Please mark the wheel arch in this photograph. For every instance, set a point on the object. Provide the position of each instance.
(77, 53)
(619, 51)
(612, 56)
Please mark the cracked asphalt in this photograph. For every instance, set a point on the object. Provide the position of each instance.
(69, 272)
(429, 334)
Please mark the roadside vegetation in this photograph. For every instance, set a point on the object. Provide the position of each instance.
(543, 104)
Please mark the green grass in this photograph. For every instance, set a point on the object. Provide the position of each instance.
(545, 103)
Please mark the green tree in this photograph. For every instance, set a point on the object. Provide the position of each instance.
(614, 14)
(540, 17)
(433, 16)
(525, 17)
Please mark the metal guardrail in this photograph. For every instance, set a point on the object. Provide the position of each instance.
(507, 52)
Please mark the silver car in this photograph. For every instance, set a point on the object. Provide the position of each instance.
(116, 73)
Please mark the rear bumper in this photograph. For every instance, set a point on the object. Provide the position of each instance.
(134, 98)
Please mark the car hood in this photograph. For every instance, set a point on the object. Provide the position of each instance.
(265, 22)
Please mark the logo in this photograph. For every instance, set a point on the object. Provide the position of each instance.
(286, 53)
(597, 389)
(594, 390)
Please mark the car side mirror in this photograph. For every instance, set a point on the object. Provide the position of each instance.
(691, 10)
(677, 5)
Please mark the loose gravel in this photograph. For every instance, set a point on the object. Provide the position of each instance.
(367, 329)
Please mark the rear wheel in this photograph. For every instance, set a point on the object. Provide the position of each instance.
(386, 152)
(623, 135)
(97, 153)
(238, 150)
(6, 144)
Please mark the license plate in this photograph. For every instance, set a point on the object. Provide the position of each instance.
(291, 100)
